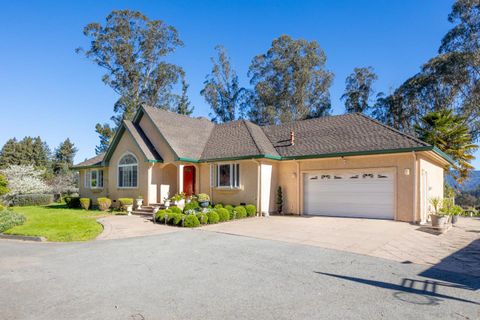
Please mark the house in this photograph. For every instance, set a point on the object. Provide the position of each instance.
(347, 165)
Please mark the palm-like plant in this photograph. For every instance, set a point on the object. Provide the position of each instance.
(450, 133)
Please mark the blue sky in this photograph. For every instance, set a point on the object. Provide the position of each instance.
(47, 89)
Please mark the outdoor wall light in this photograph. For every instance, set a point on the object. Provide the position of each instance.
(406, 172)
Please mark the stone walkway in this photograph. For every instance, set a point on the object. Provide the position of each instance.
(118, 227)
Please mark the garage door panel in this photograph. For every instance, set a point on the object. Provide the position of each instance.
(370, 193)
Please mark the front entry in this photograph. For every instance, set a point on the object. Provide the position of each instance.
(189, 180)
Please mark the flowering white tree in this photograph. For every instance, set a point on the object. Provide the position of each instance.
(25, 180)
(64, 183)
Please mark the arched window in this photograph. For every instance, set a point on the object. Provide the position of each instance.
(128, 171)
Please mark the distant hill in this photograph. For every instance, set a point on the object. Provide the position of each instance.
(472, 183)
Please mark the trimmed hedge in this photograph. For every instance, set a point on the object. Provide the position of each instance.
(218, 206)
(175, 210)
(10, 219)
(241, 212)
(85, 203)
(72, 202)
(212, 217)
(125, 201)
(191, 221)
(231, 211)
(202, 217)
(223, 214)
(31, 200)
(192, 205)
(251, 210)
(177, 218)
(160, 215)
(104, 204)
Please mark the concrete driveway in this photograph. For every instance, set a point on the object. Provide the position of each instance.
(392, 240)
(197, 274)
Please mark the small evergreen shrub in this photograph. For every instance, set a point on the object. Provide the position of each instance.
(31, 200)
(230, 211)
(85, 203)
(175, 209)
(218, 206)
(223, 214)
(192, 205)
(72, 202)
(241, 212)
(251, 210)
(191, 221)
(104, 204)
(212, 217)
(124, 202)
(177, 219)
(202, 217)
(10, 219)
(161, 215)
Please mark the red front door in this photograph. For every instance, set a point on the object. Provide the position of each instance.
(189, 180)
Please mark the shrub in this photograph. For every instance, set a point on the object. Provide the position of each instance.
(192, 205)
(251, 210)
(2, 208)
(124, 202)
(241, 212)
(104, 203)
(203, 197)
(175, 209)
(31, 199)
(202, 217)
(85, 203)
(160, 216)
(218, 206)
(191, 221)
(72, 202)
(212, 217)
(230, 210)
(10, 219)
(177, 218)
(223, 214)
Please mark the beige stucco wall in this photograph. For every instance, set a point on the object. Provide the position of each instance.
(433, 186)
(156, 139)
(93, 194)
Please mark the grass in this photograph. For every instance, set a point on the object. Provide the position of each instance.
(56, 222)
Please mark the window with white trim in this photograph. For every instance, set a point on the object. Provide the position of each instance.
(94, 179)
(128, 171)
(226, 175)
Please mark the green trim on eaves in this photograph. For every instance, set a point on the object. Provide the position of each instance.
(443, 155)
(100, 165)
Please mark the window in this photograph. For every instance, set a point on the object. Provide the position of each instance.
(94, 179)
(128, 171)
(227, 175)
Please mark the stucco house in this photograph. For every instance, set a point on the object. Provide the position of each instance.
(346, 165)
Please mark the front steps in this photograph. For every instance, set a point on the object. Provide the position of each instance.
(147, 210)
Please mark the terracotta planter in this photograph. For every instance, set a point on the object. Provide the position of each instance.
(438, 221)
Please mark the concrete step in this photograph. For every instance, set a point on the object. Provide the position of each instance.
(142, 213)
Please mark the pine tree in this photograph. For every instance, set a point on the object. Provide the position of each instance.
(63, 158)
(8, 154)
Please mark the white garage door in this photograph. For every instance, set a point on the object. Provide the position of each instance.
(366, 193)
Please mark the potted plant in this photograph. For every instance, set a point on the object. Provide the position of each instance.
(139, 202)
(179, 200)
(438, 218)
(454, 212)
(203, 200)
(166, 202)
(126, 204)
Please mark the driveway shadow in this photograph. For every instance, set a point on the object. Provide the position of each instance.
(411, 290)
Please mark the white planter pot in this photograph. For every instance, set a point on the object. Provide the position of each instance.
(129, 209)
(139, 203)
(167, 203)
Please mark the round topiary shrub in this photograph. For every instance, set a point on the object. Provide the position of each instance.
(162, 215)
(241, 212)
(177, 218)
(212, 217)
(191, 221)
(202, 217)
(230, 211)
(218, 206)
(251, 210)
(104, 204)
(192, 205)
(124, 202)
(223, 214)
(72, 202)
(176, 210)
(85, 203)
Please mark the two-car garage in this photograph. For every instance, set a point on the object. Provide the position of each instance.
(363, 193)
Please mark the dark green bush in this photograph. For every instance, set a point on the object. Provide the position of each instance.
(10, 219)
(191, 221)
(212, 217)
(85, 203)
(175, 209)
(241, 212)
(218, 206)
(31, 199)
(251, 210)
(223, 214)
(202, 217)
(192, 205)
(104, 203)
(72, 202)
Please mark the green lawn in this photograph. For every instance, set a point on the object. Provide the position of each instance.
(58, 223)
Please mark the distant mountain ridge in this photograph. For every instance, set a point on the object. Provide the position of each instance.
(472, 183)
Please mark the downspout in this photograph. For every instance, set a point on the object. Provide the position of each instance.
(415, 186)
(298, 188)
(259, 186)
(211, 174)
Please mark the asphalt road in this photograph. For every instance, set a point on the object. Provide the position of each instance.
(205, 275)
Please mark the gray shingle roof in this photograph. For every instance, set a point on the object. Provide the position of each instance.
(143, 143)
(237, 139)
(97, 160)
(186, 135)
(337, 134)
